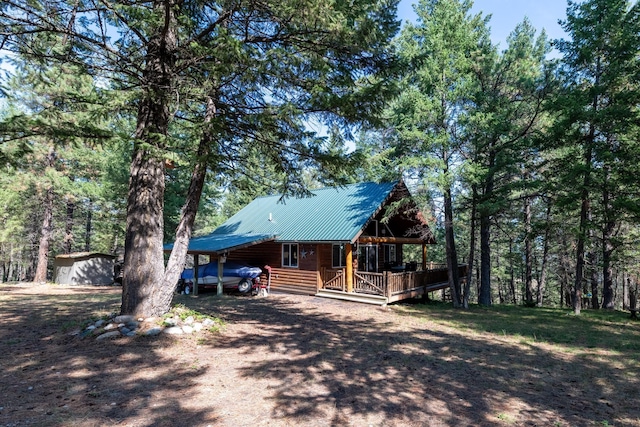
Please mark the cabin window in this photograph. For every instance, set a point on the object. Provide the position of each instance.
(339, 255)
(390, 254)
(289, 255)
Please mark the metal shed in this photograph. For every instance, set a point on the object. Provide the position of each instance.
(84, 268)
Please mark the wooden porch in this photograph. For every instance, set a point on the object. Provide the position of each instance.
(385, 287)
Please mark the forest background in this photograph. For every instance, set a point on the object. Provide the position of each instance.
(526, 162)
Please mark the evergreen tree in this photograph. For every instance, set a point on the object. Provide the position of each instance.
(246, 72)
(438, 54)
(596, 115)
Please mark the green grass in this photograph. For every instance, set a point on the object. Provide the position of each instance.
(607, 329)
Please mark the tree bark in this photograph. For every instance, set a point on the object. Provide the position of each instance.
(68, 227)
(512, 280)
(451, 253)
(143, 275)
(607, 247)
(178, 255)
(89, 227)
(47, 226)
(528, 257)
(472, 249)
(542, 283)
(484, 297)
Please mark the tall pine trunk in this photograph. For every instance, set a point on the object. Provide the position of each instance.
(472, 248)
(451, 253)
(484, 297)
(608, 247)
(143, 275)
(67, 244)
(528, 255)
(178, 255)
(542, 282)
(46, 231)
(89, 226)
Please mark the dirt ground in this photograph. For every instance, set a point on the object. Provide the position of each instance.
(291, 361)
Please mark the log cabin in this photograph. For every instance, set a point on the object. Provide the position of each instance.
(344, 242)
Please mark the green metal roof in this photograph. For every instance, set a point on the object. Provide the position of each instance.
(330, 215)
(222, 243)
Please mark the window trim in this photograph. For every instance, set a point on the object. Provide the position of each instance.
(387, 250)
(289, 253)
(343, 255)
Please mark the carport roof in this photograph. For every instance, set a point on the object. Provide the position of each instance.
(219, 243)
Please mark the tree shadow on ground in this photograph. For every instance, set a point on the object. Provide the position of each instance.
(52, 378)
(385, 371)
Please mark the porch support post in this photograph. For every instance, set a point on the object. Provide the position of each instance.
(196, 260)
(349, 267)
(221, 260)
(424, 256)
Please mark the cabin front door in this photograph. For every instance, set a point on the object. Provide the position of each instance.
(369, 258)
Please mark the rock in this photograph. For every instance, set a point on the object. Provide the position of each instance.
(187, 329)
(197, 326)
(91, 327)
(133, 325)
(189, 320)
(124, 319)
(124, 330)
(109, 327)
(112, 334)
(131, 334)
(99, 323)
(174, 330)
(208, 322)
(154, 331)
(170, 321)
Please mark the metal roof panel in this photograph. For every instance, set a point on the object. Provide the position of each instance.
(331, 214)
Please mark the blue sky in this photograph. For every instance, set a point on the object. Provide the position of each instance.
(506, 14)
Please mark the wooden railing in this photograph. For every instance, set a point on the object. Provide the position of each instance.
(389, 284)
(398, 283)
(369, 283)
(334, 279)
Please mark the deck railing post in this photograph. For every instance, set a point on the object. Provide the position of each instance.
(387, 284)
(349, 266)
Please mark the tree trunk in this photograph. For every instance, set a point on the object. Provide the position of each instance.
(143, 278)
(512, 281)
(484, 297)
(472, 249)
(47, 227)
(452, 256)
(185, 226)
(607, 248)
(542, 283)
(585, 203)
(67, 244)
(528, 257)
(89, 227)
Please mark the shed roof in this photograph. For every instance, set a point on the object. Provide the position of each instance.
(81, 255)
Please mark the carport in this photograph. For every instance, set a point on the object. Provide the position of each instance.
(219, 245)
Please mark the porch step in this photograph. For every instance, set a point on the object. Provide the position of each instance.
(350, 296)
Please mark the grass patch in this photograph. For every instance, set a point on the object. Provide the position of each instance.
(604, 329)
(183, 312)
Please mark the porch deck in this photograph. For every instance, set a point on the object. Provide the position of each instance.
(385, 287)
